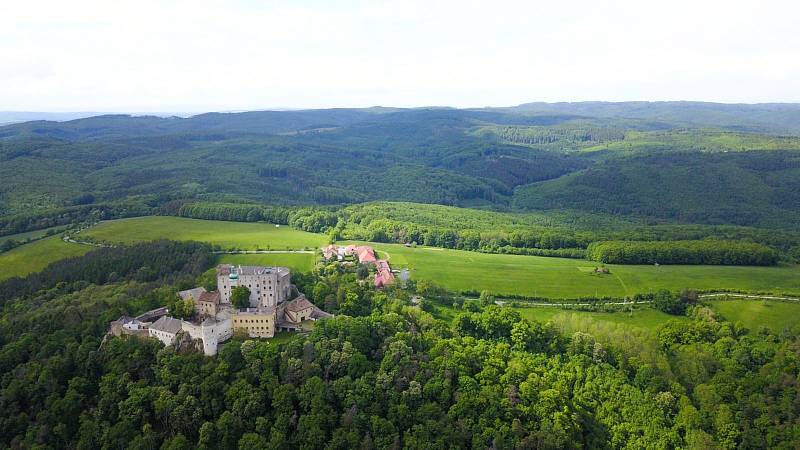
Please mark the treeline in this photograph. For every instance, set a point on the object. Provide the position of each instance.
(236, 212)
(23, 223)
(383, 230)
(312, 219)
(706, 252)
(141, 262)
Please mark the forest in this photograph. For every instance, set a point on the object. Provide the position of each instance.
(708, 252)
(710, 164)
(381, 374)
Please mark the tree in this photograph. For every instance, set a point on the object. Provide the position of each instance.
(486, 298)
(240, 297)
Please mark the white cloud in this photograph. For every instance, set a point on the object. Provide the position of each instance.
(222, 55)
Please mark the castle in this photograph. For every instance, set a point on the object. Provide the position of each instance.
(275, 305)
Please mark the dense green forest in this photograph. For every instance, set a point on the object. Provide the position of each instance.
(674, 162)
(382, 374)
(709, 252)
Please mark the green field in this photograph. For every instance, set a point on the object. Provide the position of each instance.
(645, 318)
(775, 315)
(571, 278)
(36, 255)
(297, 262)
(229, 235)
(36, 234)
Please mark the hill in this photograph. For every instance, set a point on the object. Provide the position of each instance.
(651, 161)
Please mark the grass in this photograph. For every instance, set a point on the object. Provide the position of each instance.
(37, 255)
(775, 315)
(21, 237)
(571, 278)
(297, 262)
(644, 318)
(282, 337)
(228, 235)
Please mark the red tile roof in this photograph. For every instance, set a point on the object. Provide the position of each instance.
(365, 254)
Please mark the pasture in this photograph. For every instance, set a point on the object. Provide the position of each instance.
(644, 318)
(37, 255)
(571, 278)
(30, 235)
(775, 315)
(228, 235)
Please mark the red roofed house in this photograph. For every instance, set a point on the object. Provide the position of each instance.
(330, 251)
(365, 254)
(384, 275)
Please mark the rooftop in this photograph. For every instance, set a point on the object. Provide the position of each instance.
(257, 311)
(167, 324)
(227, 269)
(209, 297)
(195, 293)
(299, 304)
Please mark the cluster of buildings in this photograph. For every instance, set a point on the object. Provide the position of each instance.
(275, 305)
(364, 255)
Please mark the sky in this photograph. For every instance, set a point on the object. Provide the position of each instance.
(198, 55)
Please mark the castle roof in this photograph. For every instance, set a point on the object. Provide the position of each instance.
(209, 297)
(299, 304)
(167, 324)
(193, 293)
(227, 269)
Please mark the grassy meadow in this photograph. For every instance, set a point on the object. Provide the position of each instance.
(775, 315)
(35, 256)
(36, 234)
(571, 278)
(229, 235)
(644, 318)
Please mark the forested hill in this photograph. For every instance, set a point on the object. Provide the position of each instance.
(764, 117)
(683, 162)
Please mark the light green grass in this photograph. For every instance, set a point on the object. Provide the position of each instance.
(21, 237)
(644, 318)
(570, 278)
(775, 315)
(36, 255)
(297, 262)
(229, 235)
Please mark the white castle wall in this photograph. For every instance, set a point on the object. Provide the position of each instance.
(210, 334)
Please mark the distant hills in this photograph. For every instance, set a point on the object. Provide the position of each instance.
(671, 161)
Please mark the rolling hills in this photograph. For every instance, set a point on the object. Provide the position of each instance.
(685, 163)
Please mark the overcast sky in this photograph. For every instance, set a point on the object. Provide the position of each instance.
(196, 55)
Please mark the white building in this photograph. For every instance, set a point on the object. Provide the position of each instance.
(165, 329)
(211, 332)
(268, 286)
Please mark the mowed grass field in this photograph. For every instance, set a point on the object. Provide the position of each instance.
(228, 235)
(21, 237)
(37, 255)
(775, 315)
(572, 278)
(297, 262)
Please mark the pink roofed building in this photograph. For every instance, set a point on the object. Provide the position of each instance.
(330, 251)
(365, 254)
(384, 276)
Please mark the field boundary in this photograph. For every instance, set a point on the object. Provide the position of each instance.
(260, 252)
(750, 296)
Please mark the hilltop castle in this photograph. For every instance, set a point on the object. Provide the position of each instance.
(275, 305)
